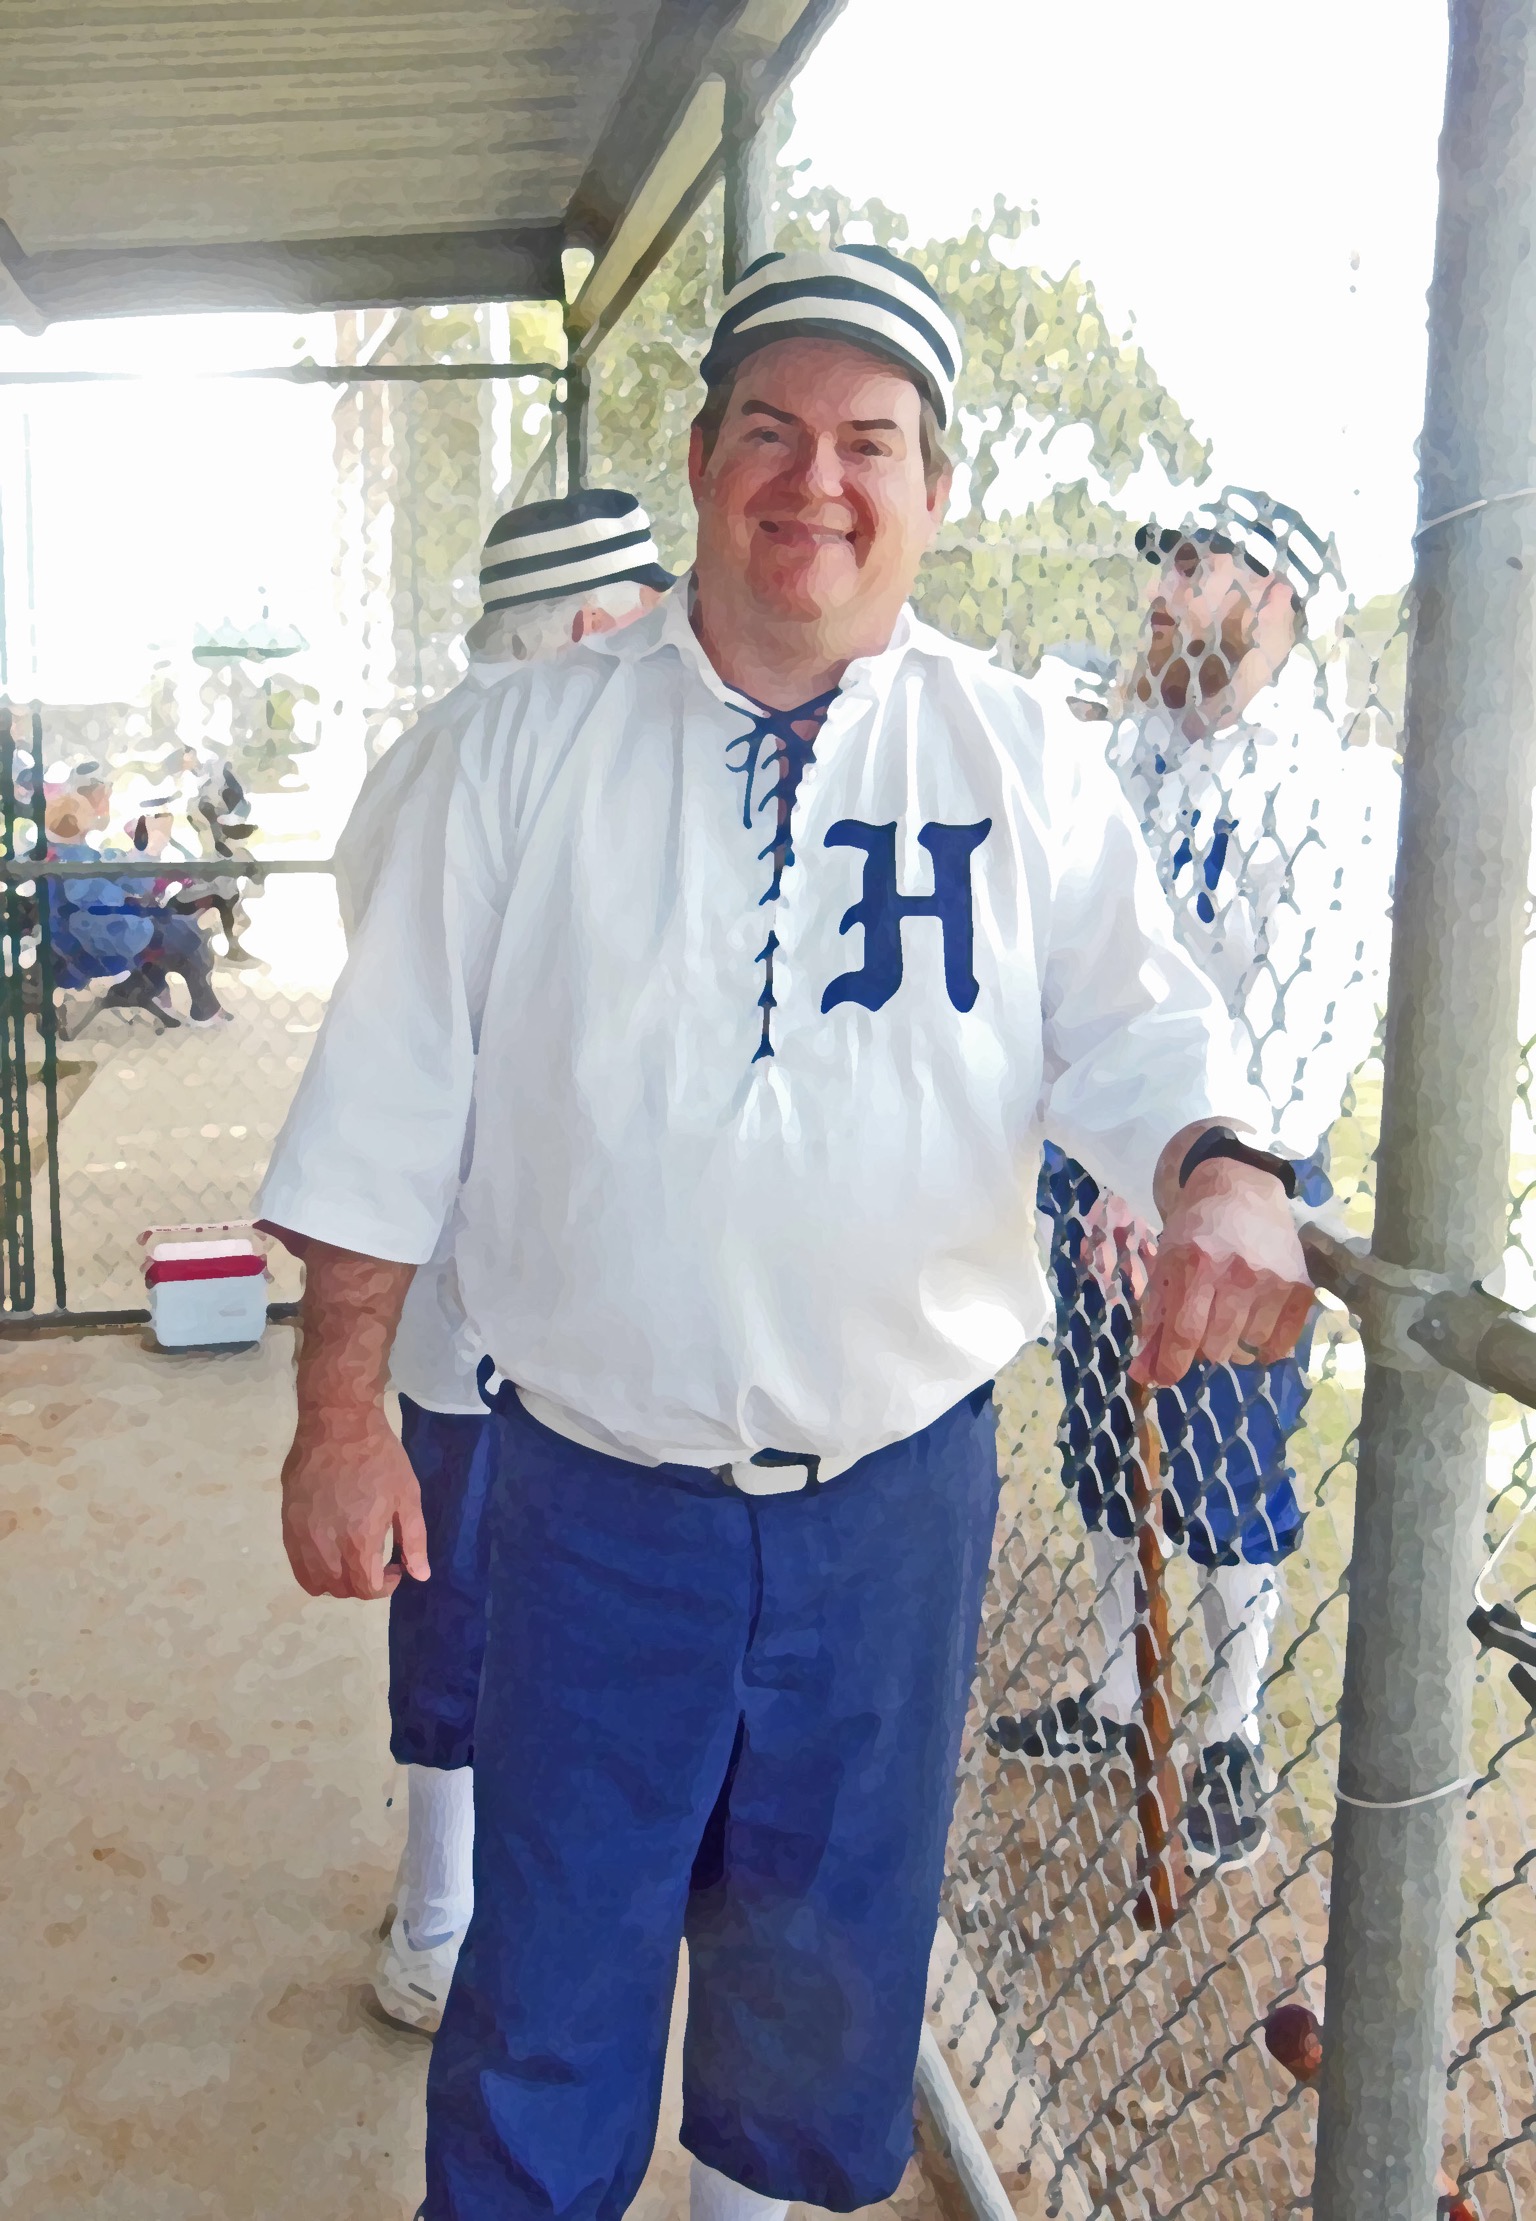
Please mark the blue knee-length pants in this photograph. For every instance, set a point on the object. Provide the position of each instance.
(437, 1627)
(728, 1718)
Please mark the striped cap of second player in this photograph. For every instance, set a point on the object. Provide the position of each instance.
(1270, 536)
(863, 294)
(584, 540)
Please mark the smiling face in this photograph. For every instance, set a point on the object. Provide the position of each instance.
(814, 507)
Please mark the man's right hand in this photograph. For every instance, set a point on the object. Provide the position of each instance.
(350, 1502)
(348, 1489)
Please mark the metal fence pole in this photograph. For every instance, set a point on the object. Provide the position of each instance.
(17, 1246)
(1443, 1168)
(48, 1021)
(576, 409)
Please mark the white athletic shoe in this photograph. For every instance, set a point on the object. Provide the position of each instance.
(411, 1985)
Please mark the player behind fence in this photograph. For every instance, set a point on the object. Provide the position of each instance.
(553, 572)
(1274, 839)
(751, 939)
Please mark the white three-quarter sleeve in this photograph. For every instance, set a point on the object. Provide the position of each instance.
(369, 1157)
(1137, 1042)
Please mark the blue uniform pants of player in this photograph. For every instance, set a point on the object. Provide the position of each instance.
(732, 1718)
(1229, 1492)
(437, 1627)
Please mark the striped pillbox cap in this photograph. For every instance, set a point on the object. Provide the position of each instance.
(1271, 538)
(548, 549)
(865, 295)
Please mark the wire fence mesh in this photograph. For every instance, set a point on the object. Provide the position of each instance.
(1153, 2007)
(166, 1123)
(1135, 2011)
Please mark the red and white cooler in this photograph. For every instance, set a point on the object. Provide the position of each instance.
(205, 1293)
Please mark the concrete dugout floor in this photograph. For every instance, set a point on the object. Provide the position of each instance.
(196, 1835)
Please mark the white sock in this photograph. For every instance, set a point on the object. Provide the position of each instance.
(1238, 1604)
(435, 1893)
(1113, 1563)
(713, 2197)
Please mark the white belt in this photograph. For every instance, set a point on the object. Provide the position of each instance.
(770, 1473)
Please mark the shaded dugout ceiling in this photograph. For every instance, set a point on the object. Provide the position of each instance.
(319, 154)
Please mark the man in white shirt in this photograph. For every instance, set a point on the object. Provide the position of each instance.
(1274, 839)
(552, 573)
(755, 937)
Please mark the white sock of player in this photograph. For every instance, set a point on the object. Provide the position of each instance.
(1238, 1604)
(1113, 1565)
(435, 1892)
(713, 2197)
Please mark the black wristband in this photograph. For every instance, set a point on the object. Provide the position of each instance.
(1220, 1141)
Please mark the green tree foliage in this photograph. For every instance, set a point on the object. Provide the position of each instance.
(1039, 357)
(1063, 570)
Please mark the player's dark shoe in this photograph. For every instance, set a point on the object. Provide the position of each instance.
(1224, 1821)
(135, 993)
(1066, 1733)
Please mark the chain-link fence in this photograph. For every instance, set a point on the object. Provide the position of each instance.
(1128, 1976)
(1135, 2017)
(156, 1019)
(171, 1124)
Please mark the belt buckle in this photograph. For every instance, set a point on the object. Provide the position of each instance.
(772, 1473)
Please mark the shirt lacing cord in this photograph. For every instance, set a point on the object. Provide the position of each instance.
(793, 750)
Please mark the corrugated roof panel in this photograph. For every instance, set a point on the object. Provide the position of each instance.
(228, 154)
(126, 125)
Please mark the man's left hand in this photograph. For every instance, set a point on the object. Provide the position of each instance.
(1229, 1282)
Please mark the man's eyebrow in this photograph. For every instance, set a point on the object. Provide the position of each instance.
(783, 416)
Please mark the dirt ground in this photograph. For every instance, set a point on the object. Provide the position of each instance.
(198, 1830)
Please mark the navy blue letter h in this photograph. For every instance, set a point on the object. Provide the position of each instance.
(880, 910)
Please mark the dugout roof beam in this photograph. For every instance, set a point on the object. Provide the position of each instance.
(345, 154)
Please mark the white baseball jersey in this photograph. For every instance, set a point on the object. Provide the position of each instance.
(434, 1360)
(756, 1133)
(1275, 840)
